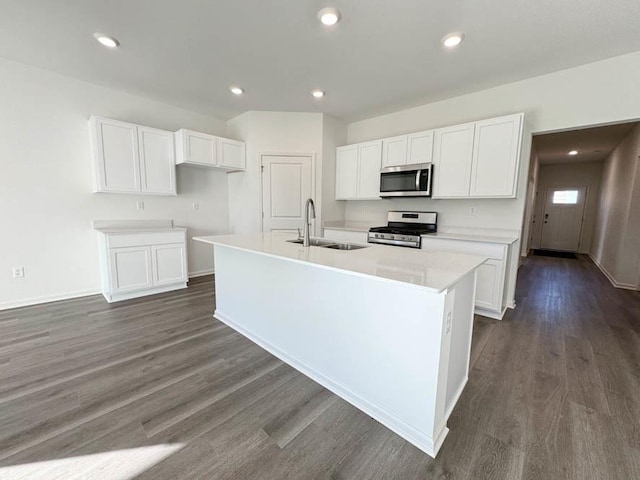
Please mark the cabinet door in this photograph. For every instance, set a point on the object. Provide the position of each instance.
(130, 269)
(394, 151)
(115, 156)
(169, 264)
(496, 154)
(346, 172)
(489, 285)
(369, 160)
(199, 148)
(157, 161)
(420, 147)
(231, 154)
(452, 157)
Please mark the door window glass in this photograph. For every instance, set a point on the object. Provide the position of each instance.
(565, 197)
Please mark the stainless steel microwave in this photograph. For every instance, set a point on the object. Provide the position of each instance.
(406, 180)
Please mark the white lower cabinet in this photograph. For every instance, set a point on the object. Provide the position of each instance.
(488, 285)
(130, 269)
(139, 264)
(168, 263)
(491, 298)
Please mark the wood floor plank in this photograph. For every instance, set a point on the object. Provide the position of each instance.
(553, 392)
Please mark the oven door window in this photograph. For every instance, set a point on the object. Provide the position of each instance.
(404, 181)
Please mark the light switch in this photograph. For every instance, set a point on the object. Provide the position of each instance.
(140, 205)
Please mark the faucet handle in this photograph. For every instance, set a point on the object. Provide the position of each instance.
(299, 233)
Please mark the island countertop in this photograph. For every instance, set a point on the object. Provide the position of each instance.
(435, 271)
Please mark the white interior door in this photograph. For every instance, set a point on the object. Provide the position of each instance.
(562, 218)
(287, 182)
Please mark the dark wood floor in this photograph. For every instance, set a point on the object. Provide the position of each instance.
(554, 393)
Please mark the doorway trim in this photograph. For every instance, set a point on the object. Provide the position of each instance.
(313, 183)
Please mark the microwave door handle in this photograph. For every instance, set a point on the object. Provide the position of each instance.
(418, 173)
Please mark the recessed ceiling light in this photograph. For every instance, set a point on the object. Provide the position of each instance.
(573, 152)
(453, 39)
(317, 93)
(236, 90)
(106, 40)
(329, 16)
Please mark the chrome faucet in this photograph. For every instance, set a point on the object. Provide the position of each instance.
(307, 220)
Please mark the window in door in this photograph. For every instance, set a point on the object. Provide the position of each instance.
(565, 197)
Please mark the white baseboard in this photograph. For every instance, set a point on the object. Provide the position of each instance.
(27, 302)
(47, 298)
(202, 273)
(626, 286)
(490, 313)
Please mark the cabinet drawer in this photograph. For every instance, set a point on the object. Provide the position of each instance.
(141, 239)
(496, 251)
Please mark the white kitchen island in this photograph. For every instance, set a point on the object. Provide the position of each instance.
(386, 328)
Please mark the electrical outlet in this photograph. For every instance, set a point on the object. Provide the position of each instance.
(366, 208)
(196, 206)
(18, 272)
(472, 210)
(140, 205)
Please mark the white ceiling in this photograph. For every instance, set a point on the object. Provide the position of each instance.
(592, 144)
(383, 55)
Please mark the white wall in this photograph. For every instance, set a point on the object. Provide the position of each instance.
(334, 134)
(616, 245)
(597, 93)
(281, 132)
(575, 174)
(45, 183)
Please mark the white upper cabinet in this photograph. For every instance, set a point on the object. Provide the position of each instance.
(130, 158)
(472, 160)
(394, 151)
(116, 162)
(231, 154)
(420, 147)
(496, 154)
(157, 161)
(358, 171)
(407, 149)
(196, 148)
(204, 150)
(347, 172)
(452, 159)
(369, 160)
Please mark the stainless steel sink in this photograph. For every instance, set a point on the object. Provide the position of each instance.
(317, 242)
(314, 242)
(345, 246)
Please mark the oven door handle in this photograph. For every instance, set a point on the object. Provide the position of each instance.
(418, 173)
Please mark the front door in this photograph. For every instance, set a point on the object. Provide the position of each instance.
(287, 182)
(562, 218)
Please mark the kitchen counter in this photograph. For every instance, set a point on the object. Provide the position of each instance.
(135, 226)
(473, 237)
(434, 271)
(387, 329)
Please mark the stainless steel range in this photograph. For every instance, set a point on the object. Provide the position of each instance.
(404, 229)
